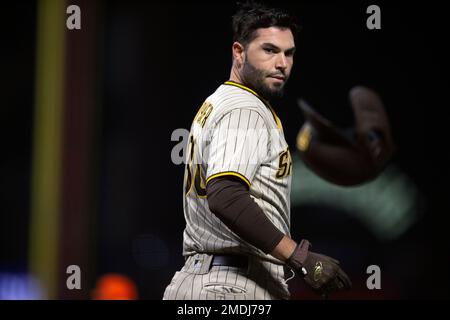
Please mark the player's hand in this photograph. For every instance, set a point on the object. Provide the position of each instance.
(352, 156)
(324, 274)
(372, 126)
(320, 272)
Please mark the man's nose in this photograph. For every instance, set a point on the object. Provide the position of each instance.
(281, 62)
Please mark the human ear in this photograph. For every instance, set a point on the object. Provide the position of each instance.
(238, 53)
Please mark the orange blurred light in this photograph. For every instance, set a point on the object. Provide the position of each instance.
(114, 286)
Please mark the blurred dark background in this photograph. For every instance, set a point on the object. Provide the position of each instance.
(87, 116)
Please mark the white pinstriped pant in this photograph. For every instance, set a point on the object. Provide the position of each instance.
(197, 280)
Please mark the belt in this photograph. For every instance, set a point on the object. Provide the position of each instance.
(230, 261)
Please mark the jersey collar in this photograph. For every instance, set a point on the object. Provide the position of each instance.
(266, 103)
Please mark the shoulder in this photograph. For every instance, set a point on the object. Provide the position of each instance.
(229, 100)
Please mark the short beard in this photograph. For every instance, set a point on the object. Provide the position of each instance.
(254, 78)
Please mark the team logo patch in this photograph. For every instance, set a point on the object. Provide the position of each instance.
(284, 164)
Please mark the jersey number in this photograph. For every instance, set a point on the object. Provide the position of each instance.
(194, 173)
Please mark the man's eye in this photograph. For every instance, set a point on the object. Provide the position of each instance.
(269, 50)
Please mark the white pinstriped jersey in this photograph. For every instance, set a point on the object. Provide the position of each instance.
(236, 133)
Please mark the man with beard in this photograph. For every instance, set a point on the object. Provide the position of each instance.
(237, 185)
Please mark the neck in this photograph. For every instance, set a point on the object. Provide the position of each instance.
(234, 75)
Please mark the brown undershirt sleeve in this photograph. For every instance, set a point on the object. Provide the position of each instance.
(229, 199)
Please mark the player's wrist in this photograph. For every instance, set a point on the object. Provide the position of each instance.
(298, 257)
(284, 248)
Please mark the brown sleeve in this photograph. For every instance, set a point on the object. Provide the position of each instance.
(229, 199)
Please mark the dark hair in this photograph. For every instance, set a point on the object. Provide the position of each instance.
(252, 15)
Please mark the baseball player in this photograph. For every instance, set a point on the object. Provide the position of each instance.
(237, 242)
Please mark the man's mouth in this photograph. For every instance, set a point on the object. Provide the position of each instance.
(278, 77)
